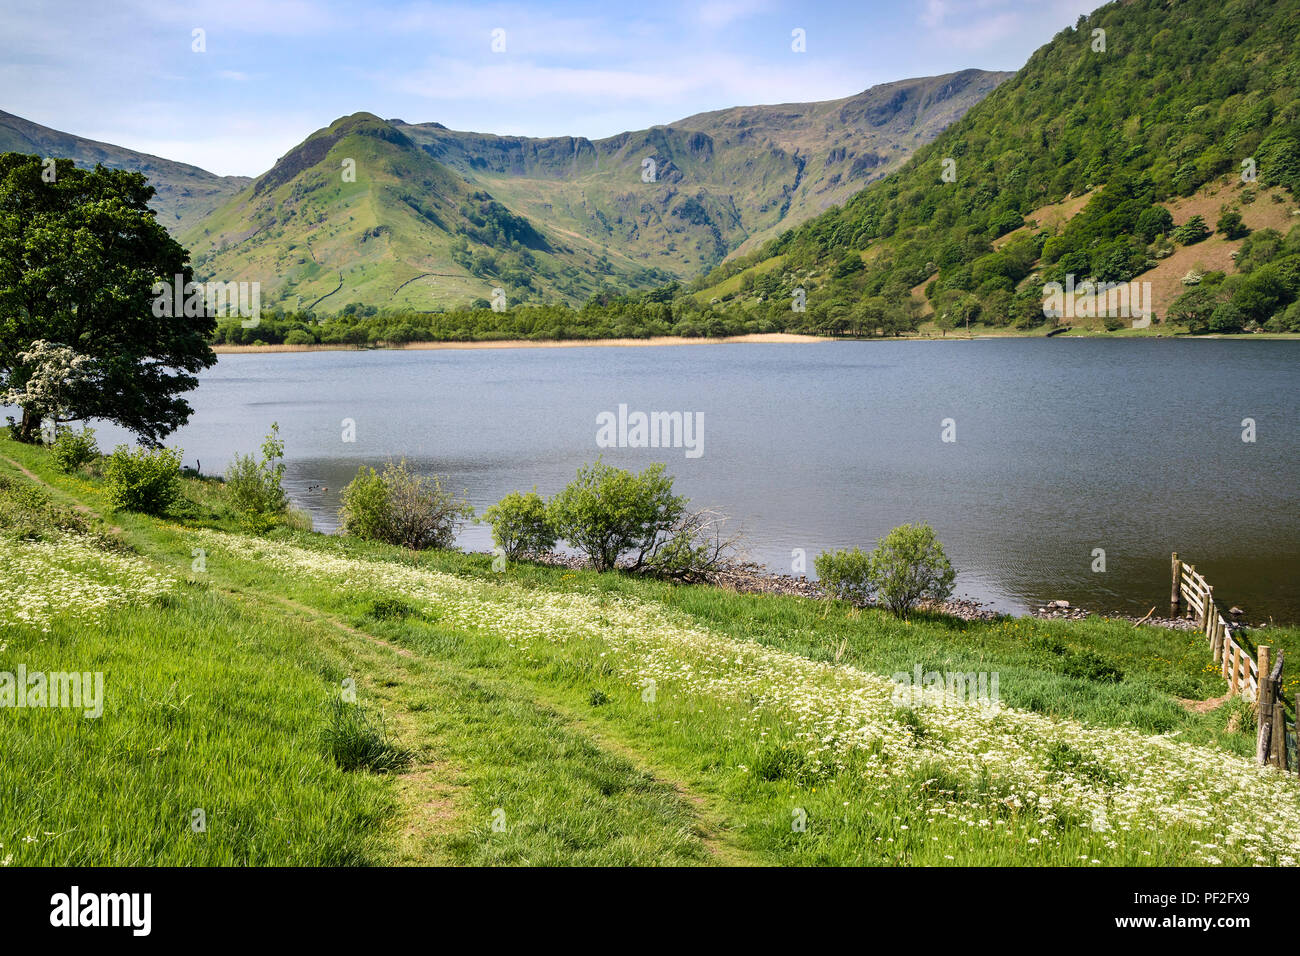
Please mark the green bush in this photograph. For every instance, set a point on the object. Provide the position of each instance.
(1192, 231)
(299, 337)
(607, 512)
(1230, 224)
(402, 508)
(845, 575)
(521, 525)
(253, 487)
(72, 449)
(1227, 319)
(144, 480)
(909, 566)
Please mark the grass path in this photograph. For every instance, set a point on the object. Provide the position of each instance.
(432, 796)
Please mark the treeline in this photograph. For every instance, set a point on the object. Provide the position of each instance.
(659, 312)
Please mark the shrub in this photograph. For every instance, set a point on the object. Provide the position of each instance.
(1230, 224)
(607, 512)
(1192, 231)
(690, 549)
(299, 337)
(398, 507)
(1154, 221)
(908, 566)
(521, 525)
(254, 488)
(72, 449)
(845, 575)
(1193, 308)
(1227, 319)
(359, 741)
(145, 480)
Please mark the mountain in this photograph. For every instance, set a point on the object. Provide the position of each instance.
(184, 194)
(1092, 162)
(750, 170)
(358, 213)
(439, 218)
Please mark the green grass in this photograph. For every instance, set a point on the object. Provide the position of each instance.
(514, 737)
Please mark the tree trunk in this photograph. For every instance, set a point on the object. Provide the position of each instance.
(29, 430)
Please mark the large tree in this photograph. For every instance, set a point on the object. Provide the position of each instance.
(80, 251)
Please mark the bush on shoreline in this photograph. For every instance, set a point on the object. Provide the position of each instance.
(399, 507)
(521, 525)
(907, 566)
(254, 487)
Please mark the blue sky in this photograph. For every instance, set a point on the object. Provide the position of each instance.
(273, 71)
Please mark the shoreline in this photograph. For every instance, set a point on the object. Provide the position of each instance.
(760, 338)
(747, 578)
(753, 338)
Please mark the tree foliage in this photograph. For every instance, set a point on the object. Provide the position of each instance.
(79, 257)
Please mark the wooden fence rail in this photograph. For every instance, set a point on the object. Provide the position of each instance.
(1252, 679)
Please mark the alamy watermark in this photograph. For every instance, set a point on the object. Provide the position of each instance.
(949, 688)
(217, 299)
(651, 430)
(68, 689)
(1088, 299)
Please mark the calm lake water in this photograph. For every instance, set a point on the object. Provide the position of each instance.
(1062, 446)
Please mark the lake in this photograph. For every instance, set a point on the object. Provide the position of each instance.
(1062, 446)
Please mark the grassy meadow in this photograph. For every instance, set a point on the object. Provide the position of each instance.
(542, 716)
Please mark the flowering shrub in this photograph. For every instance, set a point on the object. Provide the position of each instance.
(52, 376)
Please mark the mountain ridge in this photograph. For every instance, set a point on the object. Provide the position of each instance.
(184, 193)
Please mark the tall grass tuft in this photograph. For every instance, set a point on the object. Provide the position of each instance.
(359, 740)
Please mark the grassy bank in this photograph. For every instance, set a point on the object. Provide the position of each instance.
(554, 716)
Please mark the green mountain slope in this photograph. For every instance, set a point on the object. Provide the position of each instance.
(1140, 108)
(357, 213)
(438, 218)
(184, 193)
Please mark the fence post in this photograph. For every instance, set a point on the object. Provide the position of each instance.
(1263, 704)
(1207, 614)
(1175, 593)
(1236, 666)
(1216, 642)
(1279, 734)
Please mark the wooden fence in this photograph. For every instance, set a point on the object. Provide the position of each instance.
(1252, 679)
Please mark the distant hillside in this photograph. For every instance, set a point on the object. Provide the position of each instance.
(724, 180)
(185, 194)
(438, 218)
(357, 213)
(1092, 161)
